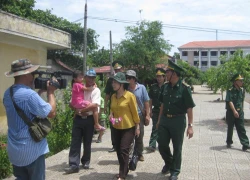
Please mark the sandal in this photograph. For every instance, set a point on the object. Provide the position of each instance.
(98, 141)
(100, 129)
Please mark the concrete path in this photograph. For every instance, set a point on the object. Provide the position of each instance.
(205, 156)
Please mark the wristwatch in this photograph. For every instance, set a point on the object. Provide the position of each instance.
(190, 125)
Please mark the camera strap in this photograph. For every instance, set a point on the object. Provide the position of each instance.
(20, 111)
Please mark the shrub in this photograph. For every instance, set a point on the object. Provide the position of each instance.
(5, 165)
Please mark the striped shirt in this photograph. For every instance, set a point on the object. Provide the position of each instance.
(22, 149)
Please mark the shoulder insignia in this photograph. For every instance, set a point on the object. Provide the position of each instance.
(230, 89)
(185, 84)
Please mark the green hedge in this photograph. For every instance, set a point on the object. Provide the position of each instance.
(5, 165)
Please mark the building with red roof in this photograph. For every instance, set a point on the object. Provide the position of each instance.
(206, 54)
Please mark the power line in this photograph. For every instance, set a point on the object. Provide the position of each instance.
(192, 28)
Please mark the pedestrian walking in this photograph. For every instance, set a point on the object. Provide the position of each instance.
(154, 105)
(176, 101)
(235, 114)
(125, 120)
(142, 99)
(83, 127)
(118, 67)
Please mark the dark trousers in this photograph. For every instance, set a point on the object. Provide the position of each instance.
(33, 171)
(123, 139)
(139, 141)
(240, 128)
(112, 134)
(82, 131)
(171, 129)
(154, 133)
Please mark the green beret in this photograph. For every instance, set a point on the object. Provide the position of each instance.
(237, 77)
(174, 67)
(160, 71)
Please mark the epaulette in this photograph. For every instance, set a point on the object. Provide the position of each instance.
(185, 84)
(230, 89)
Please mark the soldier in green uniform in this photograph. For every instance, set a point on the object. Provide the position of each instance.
(118, 67)
(154, 105)
(235, 114)
(176, 100)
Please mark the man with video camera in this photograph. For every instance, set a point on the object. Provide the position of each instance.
(26, 155)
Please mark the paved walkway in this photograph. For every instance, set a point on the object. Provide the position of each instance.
(205, 156)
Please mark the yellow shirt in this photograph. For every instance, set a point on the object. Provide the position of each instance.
(126, 108)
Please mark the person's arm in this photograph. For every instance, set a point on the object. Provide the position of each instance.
(150, 108)
(51, 100)
(159, 117)
(106, 100)
(84, 88)
(147, 118)
(190, 123)
(231, 105)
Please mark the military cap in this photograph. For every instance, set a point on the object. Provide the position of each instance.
(20, 67)
(174, 67)
(160, 72)
(117, 64)
(237, 77)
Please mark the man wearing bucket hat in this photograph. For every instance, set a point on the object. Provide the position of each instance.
(235, 115)
(176, 101)
(125, 120)
(154, 105)
(118, 67)
(142, 100)
(26, 155)
(83, 127)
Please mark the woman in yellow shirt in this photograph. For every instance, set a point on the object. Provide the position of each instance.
(125, 120)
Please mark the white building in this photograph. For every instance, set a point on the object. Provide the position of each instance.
(206, 54)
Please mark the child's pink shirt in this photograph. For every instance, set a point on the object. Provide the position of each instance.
(78, 96)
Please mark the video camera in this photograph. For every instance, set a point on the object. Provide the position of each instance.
(41, 82)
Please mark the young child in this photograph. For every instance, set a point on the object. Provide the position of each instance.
(77, 100)
(102, 118)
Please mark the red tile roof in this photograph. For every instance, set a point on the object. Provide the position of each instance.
(103, 69)
(217, 44)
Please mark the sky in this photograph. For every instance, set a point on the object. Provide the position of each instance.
(214, 14)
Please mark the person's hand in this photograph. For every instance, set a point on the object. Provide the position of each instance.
(236, 114)
(190, 132)
(110, 116)
(137, 132)
(40, 91)
(94, 86)
(147, 120)
(151, 114)
(51, 88)
(157, 125)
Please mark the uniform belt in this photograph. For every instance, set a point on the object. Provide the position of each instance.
(173, 115)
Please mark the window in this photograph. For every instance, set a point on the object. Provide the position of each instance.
(232, 52)
(214, 63)
(196, 53)
(184, 53)
(213, 53)
(203, 53)
(204, 63)
(196, 63)
(223, 52)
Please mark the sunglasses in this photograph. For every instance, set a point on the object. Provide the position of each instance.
(129, 77)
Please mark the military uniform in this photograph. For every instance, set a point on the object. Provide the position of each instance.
(236, 96)
(176, 100)
(154, 93)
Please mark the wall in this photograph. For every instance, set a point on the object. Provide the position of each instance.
(9, 53)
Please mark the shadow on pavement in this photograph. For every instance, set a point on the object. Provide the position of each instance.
(224, 147)
(108, 162)
(214, 125)
(58, 167)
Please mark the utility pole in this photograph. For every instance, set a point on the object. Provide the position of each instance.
(216, 34)
(111, 52)
(140, 13)
(85, 39)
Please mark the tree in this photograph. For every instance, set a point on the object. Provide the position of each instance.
(143, 47)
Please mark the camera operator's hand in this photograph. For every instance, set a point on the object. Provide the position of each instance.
(51, 88)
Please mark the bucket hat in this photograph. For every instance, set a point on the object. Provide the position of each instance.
(131, 73)
(120, 77)
(91, 73)
(21, 67)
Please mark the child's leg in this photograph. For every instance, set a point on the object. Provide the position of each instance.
(96, 115)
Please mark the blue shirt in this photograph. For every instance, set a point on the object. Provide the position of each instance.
(22, 149)
(141, 95)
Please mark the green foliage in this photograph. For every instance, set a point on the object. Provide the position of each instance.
(192, 75)
(220, 78)
(60, 136)
(5, 165)
(143, 47)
